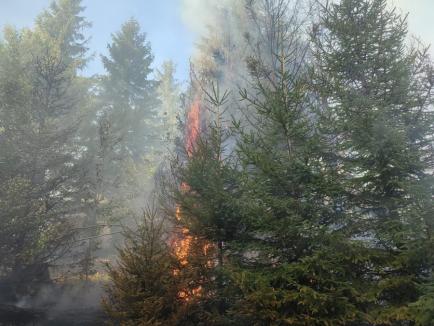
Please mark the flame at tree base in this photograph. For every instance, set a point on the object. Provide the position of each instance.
(183, 244)
(191, 250)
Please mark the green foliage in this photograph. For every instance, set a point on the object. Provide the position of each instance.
(313, 208)
(118, 133)
(127, 114)
(379, 92)
(150, 286)
(40, 95)
(63, 25)
(321, 214)
(144, 291)
(128, 67)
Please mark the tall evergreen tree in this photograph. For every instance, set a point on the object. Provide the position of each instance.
(63, 25)
(378, 93)
(128, 115)
(322, 213)
(127, 118)
(40, 96)
(121, 137)
(129, 92)
(325, 218)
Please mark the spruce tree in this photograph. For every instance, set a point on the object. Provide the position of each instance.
(268, 207)
(128, 114)
(129, 92)
(41, 97)
(150, 285)
(143, 289)
(293, 209)
(127, 119)
(65, 27)
(377, 93)
(316, 208)
(120, 138)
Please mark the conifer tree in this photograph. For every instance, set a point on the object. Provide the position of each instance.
(301, 242)
(268, 206)
(128, 116)
(64, 26)
(143, 291)
(320, 214)
(377, 92)
(40, 96)
(129, 92)
(150, 284)
(121, 137)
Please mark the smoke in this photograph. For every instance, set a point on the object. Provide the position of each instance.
(68, 304)
(238, 37)
(216, 24)
(198, 15)
(220, 28)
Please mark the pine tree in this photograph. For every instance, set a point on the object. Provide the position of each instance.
(377, 92)
(150, 285)
(129, 92)
(120, 138)
(127, 117)
(40, 96)
(64, 26)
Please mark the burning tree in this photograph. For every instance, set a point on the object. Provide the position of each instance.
(314, 209)
(162, 270)
(301, 210)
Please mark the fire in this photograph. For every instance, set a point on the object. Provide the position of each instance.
(184, 295)
(183, 245)
(178, 213)
(193, 126)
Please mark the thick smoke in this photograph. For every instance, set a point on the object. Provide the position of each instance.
(231, 35)
(198, 15)
(221, 45)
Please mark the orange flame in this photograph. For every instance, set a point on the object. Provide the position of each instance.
(182, 246)
(184, 295)
(178, 213)
(193, 126)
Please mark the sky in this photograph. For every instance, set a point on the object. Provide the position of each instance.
(161, 20)
(164, 21)
(420, 18)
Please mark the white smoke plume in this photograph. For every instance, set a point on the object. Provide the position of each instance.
(198, 15)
